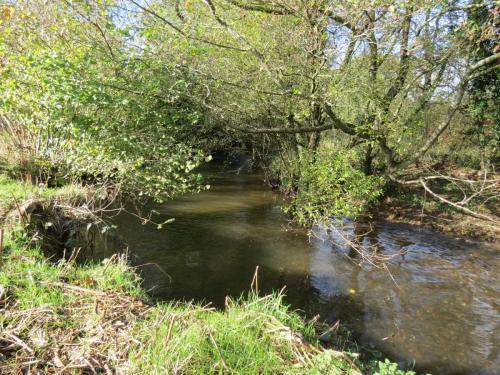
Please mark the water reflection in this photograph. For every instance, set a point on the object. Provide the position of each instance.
(441, 309)
(443, 312)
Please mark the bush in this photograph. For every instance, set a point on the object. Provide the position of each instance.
(330, 186)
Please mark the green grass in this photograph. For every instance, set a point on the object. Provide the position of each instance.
(97, 316)
(251, 335)
(14, 191)
(32, 279)
(56, 314)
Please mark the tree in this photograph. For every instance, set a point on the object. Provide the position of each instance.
(73, 98)
(484, 90)
(282, 75)
(381, 81)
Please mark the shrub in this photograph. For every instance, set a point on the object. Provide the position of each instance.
(329, 185)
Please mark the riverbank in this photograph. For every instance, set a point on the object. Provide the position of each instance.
(61, 316)
(14, 194)
(455, 223)
(412, 206)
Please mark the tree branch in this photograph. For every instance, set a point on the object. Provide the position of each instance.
(283, 130)
(422, 181)
(404, 58)
(491, 60)
(458, 207)
(259, 7)
(180, 31)
(338, 123)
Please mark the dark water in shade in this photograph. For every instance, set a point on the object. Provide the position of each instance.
(443, 313)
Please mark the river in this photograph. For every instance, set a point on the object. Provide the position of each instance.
(436, 304)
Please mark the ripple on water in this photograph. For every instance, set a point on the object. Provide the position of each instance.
(439, 306)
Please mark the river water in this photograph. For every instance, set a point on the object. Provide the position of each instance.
(437, 303)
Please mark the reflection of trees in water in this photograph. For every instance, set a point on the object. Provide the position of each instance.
(435, 314)
(212, 254)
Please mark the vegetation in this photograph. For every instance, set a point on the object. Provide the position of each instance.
(60, 316)
(135, 95)
(14, 193)
(341, 103)
(381, 80)
(63, 119)
(329, 184)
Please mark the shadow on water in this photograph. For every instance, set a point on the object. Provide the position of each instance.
(442, 311)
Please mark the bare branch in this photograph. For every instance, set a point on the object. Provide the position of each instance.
(458, 207)
(491, 60)
(283, 130)
(180, 31)
(404, 59)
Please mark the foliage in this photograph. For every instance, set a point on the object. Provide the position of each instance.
(330, 186)
(134, 94)
(67, 106)
(389, 368)
(389, 79)
(481, 34)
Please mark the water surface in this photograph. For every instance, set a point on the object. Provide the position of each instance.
(440, 308)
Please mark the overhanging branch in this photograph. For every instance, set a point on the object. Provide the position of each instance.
(260, 7)
(312, 129)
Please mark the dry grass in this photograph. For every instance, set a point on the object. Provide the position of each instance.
(89, 334)
(61, 318)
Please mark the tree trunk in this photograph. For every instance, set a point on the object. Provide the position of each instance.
(368, 161)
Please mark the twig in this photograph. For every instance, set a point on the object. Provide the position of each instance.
(76, 288)
(169, 332)
(255, 281)
(218, 351)
(20, 342)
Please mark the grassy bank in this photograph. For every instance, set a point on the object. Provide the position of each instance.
(59, 316)
(15, 195)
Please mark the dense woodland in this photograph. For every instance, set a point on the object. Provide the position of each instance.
(340, 103)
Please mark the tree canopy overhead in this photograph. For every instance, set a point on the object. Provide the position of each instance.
(153, 86)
